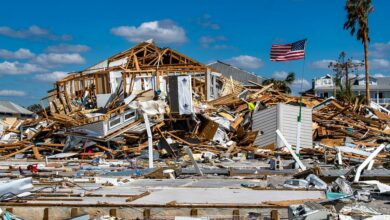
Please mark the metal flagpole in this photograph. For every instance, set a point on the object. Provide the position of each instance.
(299, 118)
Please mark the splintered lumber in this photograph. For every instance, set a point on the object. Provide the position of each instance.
(105, 149)
(50, 144)
(17, 152)
(231, 148)
(265, 88)
(209, 130)
(179, 139)
(286, 203)
(135, 149)
(225, 100)
(135, 197)
(237, 122)
(37, 155)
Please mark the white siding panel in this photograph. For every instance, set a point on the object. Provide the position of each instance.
(284, 118)
(289, 124)
(265, 122)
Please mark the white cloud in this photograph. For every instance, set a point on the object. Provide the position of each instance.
(21, 53)
(51, 77)
(379, 75)
(206, 22)
(279, 74)
(68, 48)
(207, 41)
(322, 64)
(246, 62)
(222, 46)
(379, 64)
(296, 86)
(14, 68)
(164, 31)
(380, 50)
(51, 59)
(6, 92)
(32, 32)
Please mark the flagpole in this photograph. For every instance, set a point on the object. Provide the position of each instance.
(299, 118)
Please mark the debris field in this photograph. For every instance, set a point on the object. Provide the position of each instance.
(150, 133)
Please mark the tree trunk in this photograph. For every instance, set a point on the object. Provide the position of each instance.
(368, 96)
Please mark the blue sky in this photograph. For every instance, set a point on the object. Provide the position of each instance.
(42, 40)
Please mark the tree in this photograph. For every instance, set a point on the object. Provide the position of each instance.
(36, 108)
(342, 68)
(282, 85)
(357, 22)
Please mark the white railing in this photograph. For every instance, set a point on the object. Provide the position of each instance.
(381, 101)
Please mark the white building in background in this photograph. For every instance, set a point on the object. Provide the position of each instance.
(379, 87)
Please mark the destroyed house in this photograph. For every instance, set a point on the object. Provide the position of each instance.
(144, 71)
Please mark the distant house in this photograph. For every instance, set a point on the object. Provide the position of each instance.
(379, 87)
(236, 73)
(9, 109)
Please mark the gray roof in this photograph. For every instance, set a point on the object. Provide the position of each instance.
(236, 73)
(383, 84)
(12, 108)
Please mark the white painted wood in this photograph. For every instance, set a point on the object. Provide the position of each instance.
(289, 148)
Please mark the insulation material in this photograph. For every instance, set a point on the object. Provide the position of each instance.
(223, 122)
(115, 80)
(102, 100)
(151, 107)
(128, 83)
(137, 84)
(97, 66)
(148, 83)
(119, 62)
(220, 137)
(163, 85)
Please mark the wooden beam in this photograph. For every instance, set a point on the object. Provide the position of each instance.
(17, 152)
(37, 155)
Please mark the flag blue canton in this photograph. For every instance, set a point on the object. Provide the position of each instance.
(299, 45)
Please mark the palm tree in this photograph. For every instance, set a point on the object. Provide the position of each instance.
(282, 85)
(357, 21)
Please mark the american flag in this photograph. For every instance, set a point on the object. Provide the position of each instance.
(285, 52)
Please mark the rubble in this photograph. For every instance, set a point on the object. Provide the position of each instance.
(153, 113)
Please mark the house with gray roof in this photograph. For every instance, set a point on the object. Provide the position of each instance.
(236, 73)
(379, 87)
(10, 109)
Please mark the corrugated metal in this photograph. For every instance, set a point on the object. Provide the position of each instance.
(12, 108)
(236, 73)
(284, 118)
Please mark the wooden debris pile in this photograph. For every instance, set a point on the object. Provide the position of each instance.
(221, 126)
(365, 125)
(102, 112)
